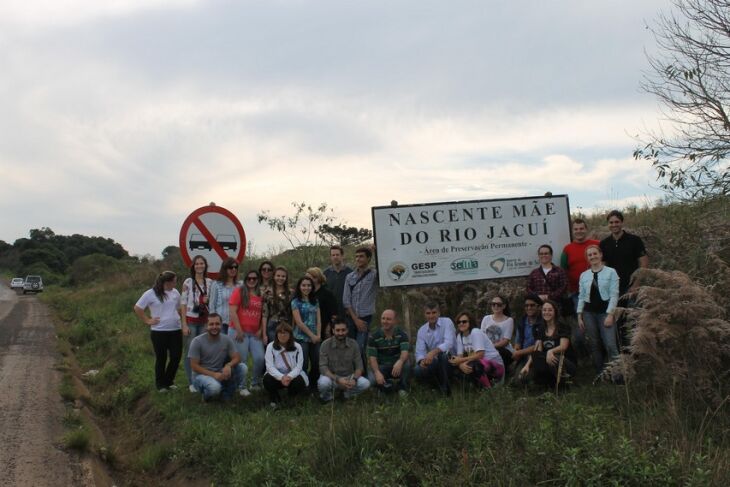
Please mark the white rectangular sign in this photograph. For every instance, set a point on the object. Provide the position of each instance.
(467, 240)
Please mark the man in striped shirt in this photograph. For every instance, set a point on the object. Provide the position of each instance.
(388, 355)
(361, 288)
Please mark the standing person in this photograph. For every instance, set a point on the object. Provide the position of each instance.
(247, 326)
(525, 331)
(163, 301)
(549, 281)
(475, 357)
(499, 327)
(573, 260)
(623, 251)
(434, 342)
(308, 321)
(553, 340)
(388, 355)
(194, 305)
(266, 278)
(278, 307)
(326, 300)
(221, 290)
(284, 365)
(597, 300)
(359, 296)
(340, 365)
(336, 274)
(216, 364)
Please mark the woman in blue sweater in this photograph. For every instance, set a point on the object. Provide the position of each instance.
(597, 299)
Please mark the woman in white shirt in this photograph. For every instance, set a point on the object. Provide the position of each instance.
(476, 358)
(499, 327)
(284, 365)
(194, 305)
(164, 320)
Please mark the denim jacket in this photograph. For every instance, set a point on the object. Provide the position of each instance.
(607, 287)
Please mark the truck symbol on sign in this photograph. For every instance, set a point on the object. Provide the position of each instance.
(198, 242)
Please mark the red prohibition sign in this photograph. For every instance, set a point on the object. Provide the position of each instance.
(216, 234)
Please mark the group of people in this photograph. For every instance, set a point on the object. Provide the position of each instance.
(316, 336)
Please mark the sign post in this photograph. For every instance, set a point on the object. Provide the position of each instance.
(460, 241)
(216, 234)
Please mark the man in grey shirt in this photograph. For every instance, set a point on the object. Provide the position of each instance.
(336, 275)
(340, 365)
(216, 364)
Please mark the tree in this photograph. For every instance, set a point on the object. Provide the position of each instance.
(344, 235)
(691, 78)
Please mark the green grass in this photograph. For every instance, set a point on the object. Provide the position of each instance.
(77, 438)
(590, 435)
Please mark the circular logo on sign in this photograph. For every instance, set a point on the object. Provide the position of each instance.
(398, 271)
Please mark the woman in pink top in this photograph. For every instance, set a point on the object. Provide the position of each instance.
(247, 326)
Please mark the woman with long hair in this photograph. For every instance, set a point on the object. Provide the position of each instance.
(194, 305)
(308, 331)
(598, 289)
(499, 327)
(476, 358)
(325, 298)
(221, 290)
(247, 326)
(164, 321)
(266, 278)
(551, 346)
(284, 365)
(277, 304)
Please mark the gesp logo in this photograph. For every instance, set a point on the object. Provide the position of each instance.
(423, 266)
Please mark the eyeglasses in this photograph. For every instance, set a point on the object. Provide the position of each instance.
(252, 278)
(235, 267)
(530, 305)
(497, 304)
(267, 269)
(460, 322)
(544, 253)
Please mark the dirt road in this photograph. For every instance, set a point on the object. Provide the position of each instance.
(30, 405)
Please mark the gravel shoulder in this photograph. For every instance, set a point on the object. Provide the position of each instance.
(30, 406)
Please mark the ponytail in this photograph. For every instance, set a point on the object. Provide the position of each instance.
(159, 286)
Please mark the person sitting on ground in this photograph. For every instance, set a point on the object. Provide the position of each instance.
(388, 355)
(340, 365)
(284, 365)
(475, 357)
(499, 327)
(525, 333)
(552, 345)
(434, 342)
(215, 362)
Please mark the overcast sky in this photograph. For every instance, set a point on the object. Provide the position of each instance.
(121, 117)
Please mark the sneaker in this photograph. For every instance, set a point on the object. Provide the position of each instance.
(173, 387)
(403, 393)
(244, 392)
(162, 390)
(255, 388)
(273, 406)
(192, 388)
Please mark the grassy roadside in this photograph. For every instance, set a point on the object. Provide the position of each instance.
(592, 435)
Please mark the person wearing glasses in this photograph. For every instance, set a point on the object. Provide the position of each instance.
(499, 327)
(221, 290)
(597, 299)
(476, 359)
(284, 365)
(549, 281)
(525, 330)
(247, 327)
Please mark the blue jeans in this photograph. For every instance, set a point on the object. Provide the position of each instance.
(600, 337)
(327, 387)
(251, 344)
(212, 388)
(195, 330)
(438, 370)
(390, 381)
(578, 339)
(361, 337)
